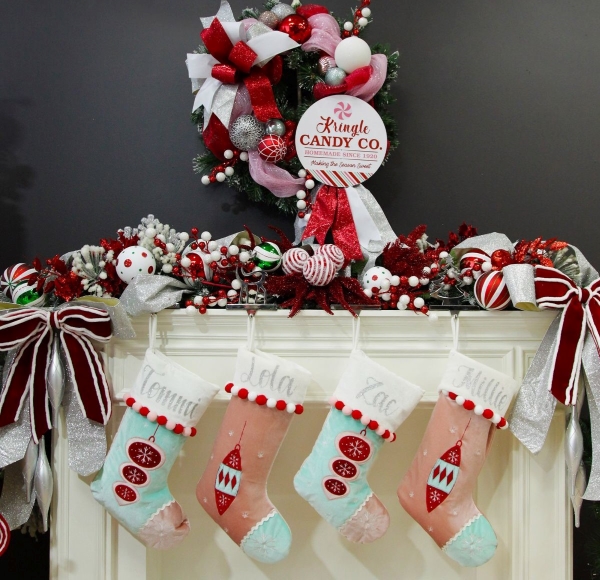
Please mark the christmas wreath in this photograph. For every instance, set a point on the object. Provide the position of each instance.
(255, 76)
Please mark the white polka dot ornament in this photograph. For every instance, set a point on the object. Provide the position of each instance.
(491, 292)
(319, 270)
(272, 148)
(134, 261)
(333, 253)
(293, 260)
(376, 280)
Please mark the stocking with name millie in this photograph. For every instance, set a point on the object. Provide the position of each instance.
(267, 392)
(368, 405)
(438, 489)
(166, 402)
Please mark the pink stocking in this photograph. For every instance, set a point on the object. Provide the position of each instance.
(438, 489)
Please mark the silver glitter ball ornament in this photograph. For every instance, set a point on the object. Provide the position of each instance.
(335, 76)
(325, 63)
(269, 18)
(275, 127)
(246, 132)
(282, 10)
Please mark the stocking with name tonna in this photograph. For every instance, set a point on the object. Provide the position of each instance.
(438, 489)
(368, 405)
(165, 404)
(267, 392)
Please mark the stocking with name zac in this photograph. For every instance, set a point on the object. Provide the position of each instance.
(437, 490)
(267, 391)
(368, 405)
(165, 404)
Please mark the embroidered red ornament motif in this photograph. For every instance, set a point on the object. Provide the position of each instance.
(354, 446)
(145, 454)
(125, 493)
(229, 477)
(444, 474)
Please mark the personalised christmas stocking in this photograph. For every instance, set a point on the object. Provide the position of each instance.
(166, 401)
(437, 491)
(267, 392)
(368, 405)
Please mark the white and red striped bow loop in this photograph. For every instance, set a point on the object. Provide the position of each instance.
(580, 311)
(31, 331)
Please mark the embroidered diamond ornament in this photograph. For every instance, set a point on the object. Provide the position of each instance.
(227, 482)
(443, 477)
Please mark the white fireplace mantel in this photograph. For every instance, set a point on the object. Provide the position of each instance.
(522, 495)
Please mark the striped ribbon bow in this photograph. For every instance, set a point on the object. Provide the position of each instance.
(31, 332)
(580, 311)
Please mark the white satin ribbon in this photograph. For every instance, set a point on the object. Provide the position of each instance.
(266, 45)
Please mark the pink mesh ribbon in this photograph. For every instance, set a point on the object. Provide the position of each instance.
(277, 180)
(378, 73)
(325, 35)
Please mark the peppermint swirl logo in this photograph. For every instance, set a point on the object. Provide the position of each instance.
(343, 110)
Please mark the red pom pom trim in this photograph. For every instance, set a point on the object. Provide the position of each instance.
(358, 415)
(488, 414)
(261, 400)
(178, 429)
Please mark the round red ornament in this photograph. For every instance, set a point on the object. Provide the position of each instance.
(501, 258)
(491, 292)
(296, 27)
(272, 148)
(354, 446)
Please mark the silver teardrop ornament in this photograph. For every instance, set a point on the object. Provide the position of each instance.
(573, 449)
(43, 484)
(577, 497)
(29, 466)
(55, 379)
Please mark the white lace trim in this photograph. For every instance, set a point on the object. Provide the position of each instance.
(455, 536)
(362, 505)
(257, 525)
(160, 509)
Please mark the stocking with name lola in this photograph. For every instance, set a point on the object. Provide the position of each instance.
(165, 404)
(437, 490)
(267, 391)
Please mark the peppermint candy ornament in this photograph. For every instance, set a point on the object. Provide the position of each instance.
(133, 261)
(4, 535)
(272, 148)
(27, 295)
(319, 270)
(293, 260)
(14, 276)
(491, 291)
(333, 253)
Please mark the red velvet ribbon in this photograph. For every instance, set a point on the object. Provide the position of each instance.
(331, 210)
(31, 331)
(580, 311)
(236, 62)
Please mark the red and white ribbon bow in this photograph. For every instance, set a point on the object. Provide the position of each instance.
(580, 311)
(31, 331)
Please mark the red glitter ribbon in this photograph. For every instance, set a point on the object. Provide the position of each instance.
(331, 210)
(31, 331)
(580, 311)
(236, 62)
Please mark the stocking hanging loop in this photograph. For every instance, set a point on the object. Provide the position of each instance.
(250, 331)
(455, 325)
(152, 326)
(355, 332)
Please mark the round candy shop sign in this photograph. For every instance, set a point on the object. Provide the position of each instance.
(341, 140)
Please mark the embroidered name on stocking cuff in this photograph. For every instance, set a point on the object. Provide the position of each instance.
(375, 392)
(472, 381)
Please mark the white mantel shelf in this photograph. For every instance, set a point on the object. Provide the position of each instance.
(522, 495)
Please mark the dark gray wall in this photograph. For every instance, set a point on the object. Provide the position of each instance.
(497, 110)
